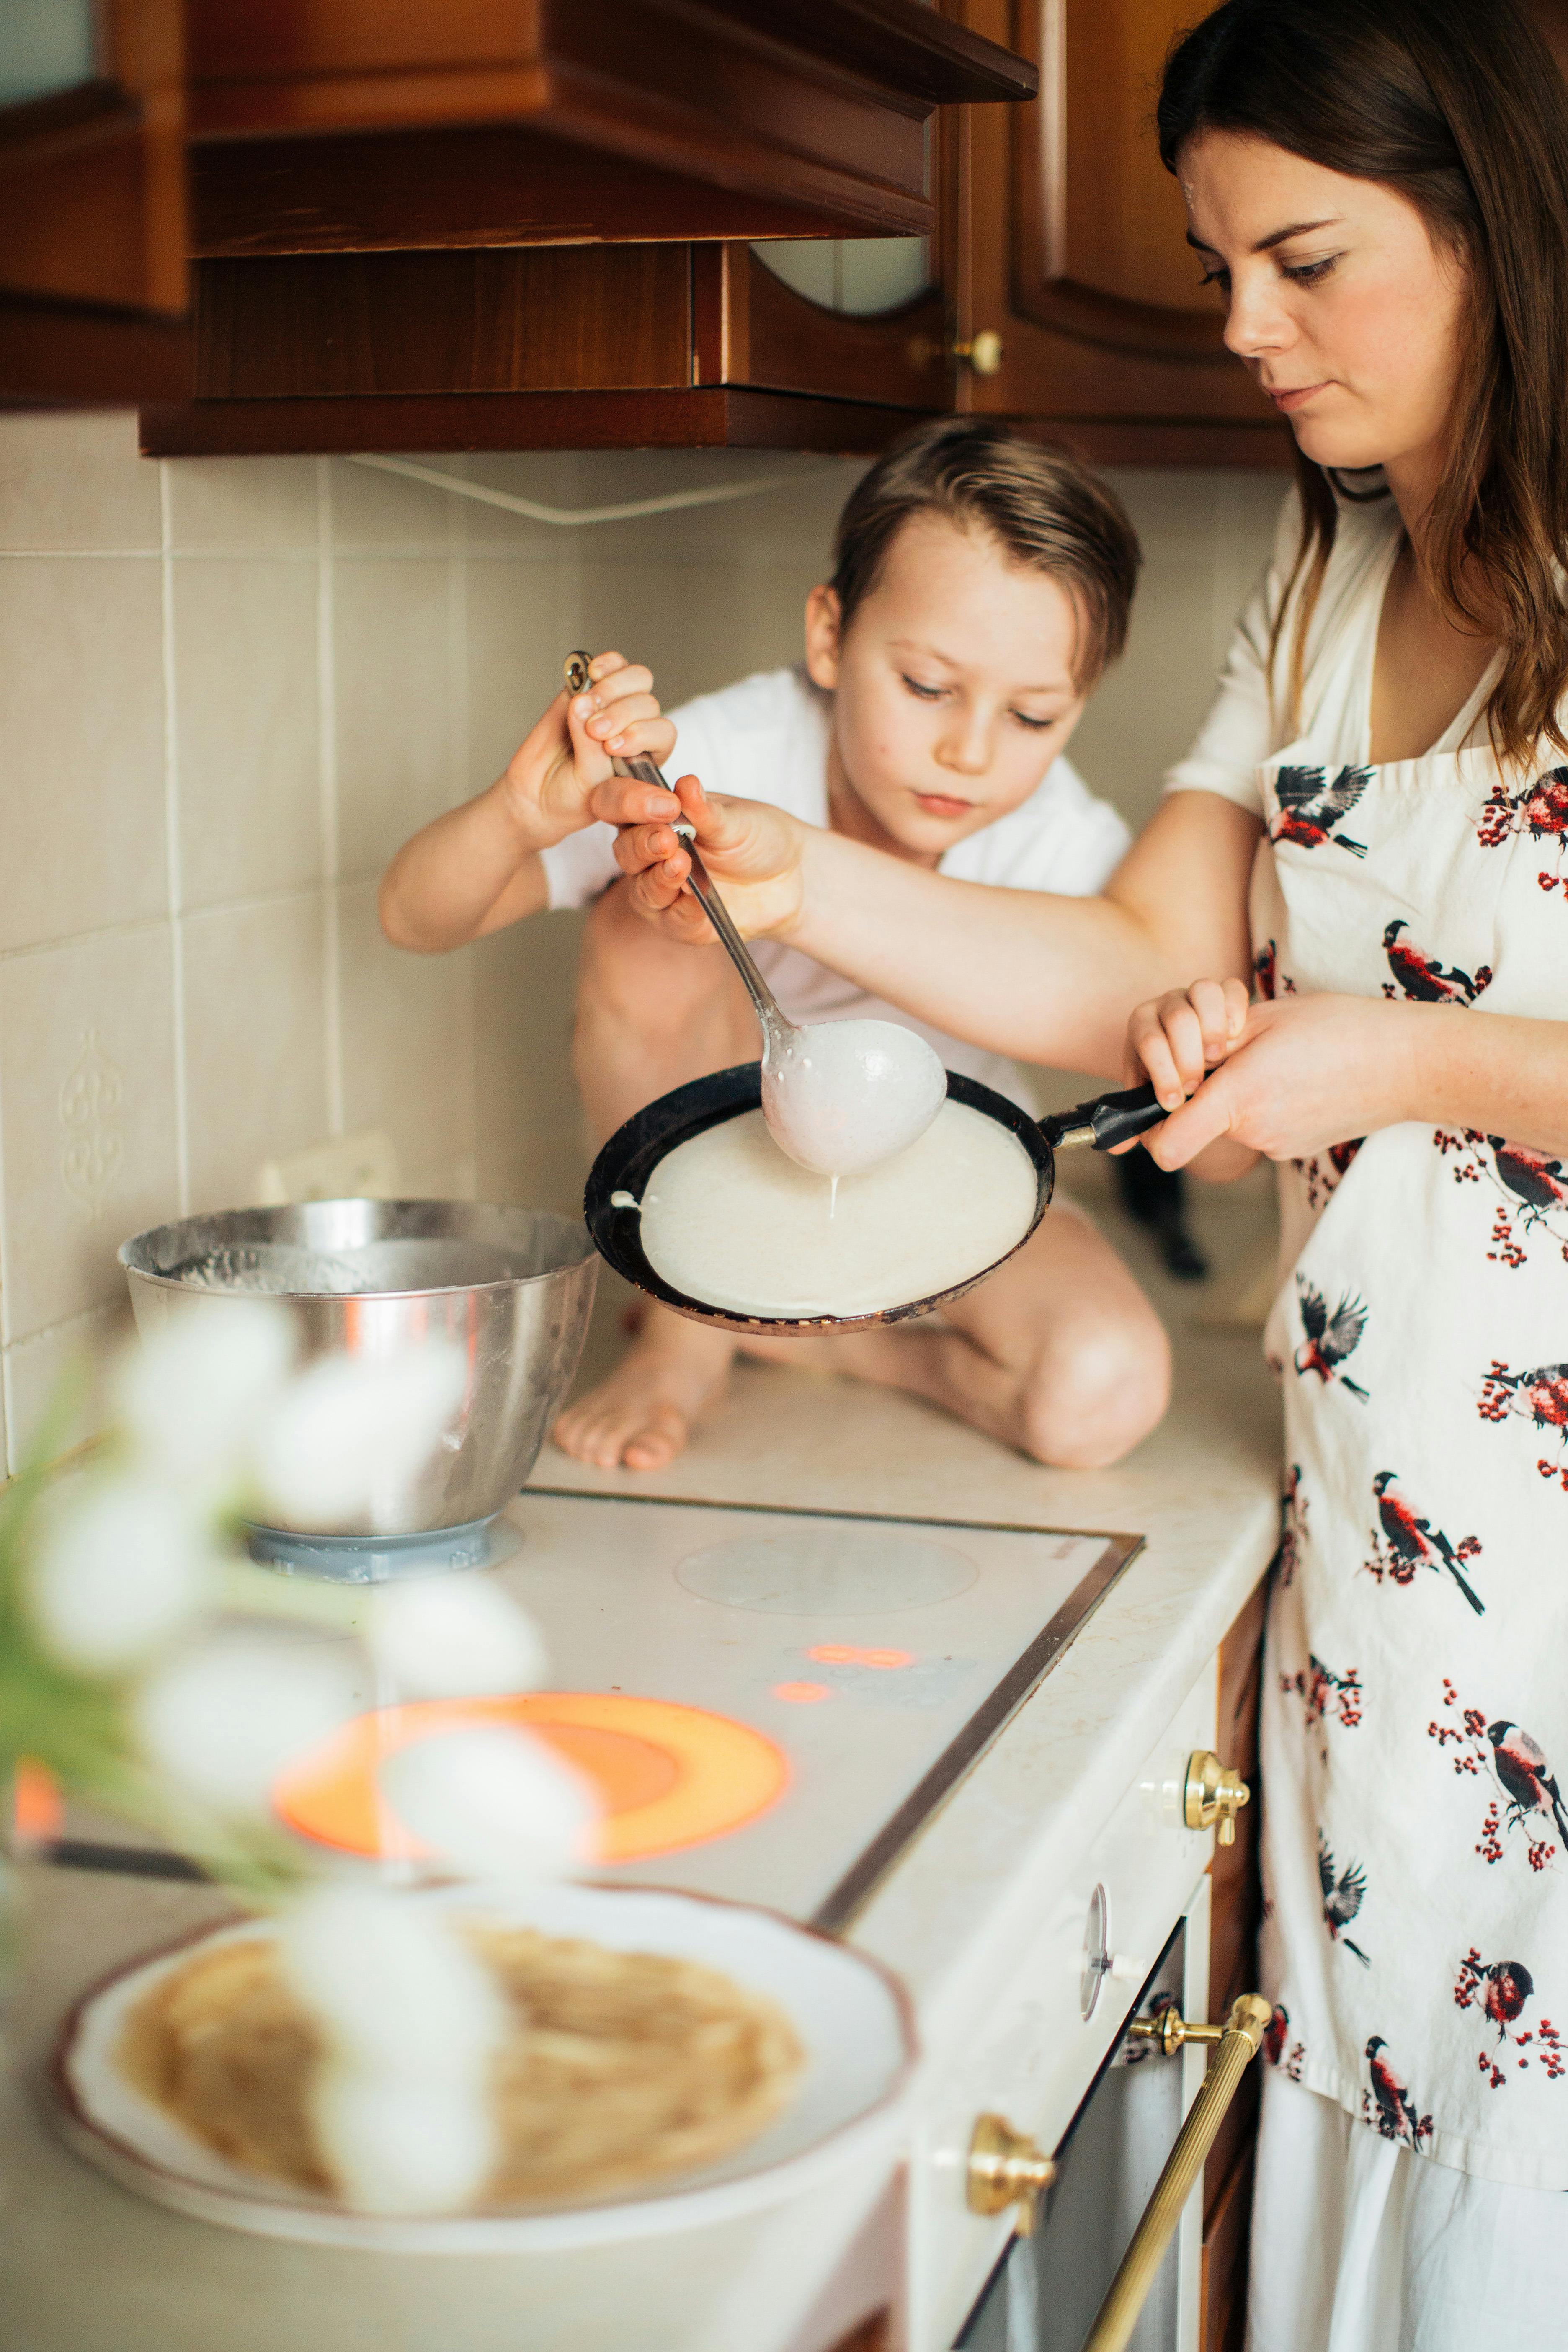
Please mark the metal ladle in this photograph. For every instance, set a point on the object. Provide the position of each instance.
(784, 1043)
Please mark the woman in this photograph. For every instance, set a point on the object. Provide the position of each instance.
(1373, 825)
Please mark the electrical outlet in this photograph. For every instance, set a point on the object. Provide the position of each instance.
(345, 1167)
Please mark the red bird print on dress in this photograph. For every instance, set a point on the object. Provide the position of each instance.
(1271, 980)
(1327, 1697)
(1508, 1986)
(1413, 1542)
(1393, 2108)
(1420, 977)
(1481, 1751)
(1310, 809)
(1342, 1897)
(1530, 1186)
(1322, 1182)
(1292, 1524)
(1529, 1779)
(1503, 1989)
(1540, 810)
(1329, 1338)
(1266, 970)
(1278, 2049)
(1542, 1184)
(1539, 1397)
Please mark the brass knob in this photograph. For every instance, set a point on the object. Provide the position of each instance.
(1214, 1793)
(1170, 2028)
(1006, 2167)
(983, 352)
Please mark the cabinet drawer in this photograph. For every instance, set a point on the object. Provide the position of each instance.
(1030, 2054)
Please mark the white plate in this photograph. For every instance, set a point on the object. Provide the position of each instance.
(851, 2016)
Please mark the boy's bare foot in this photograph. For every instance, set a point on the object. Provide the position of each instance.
(642, 1415)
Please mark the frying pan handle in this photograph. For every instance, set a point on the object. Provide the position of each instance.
(1109, 1119)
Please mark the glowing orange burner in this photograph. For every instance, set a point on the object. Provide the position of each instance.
(668, 1776)
(38, 1809)
(846, 1653)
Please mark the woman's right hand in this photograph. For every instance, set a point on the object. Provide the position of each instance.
(755, 853)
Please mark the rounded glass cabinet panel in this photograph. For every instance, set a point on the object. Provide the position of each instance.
(857, 275)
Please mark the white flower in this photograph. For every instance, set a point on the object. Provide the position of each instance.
(494, 1804)
(452, 1637)
(413, 2021)
(189, 1397)
(222, 1719)
(121, 1568)
(396, 2145)
(351, 1436)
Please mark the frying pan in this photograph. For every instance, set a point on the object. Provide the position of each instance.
(620, 1175)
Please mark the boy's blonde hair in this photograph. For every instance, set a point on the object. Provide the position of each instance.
(1046, 510)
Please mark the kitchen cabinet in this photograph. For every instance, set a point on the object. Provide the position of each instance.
(348, 128)
(596, 346)
(1076, 253)
(544, 237)
(93, 267)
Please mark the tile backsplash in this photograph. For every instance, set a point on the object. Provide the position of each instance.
(229, 688)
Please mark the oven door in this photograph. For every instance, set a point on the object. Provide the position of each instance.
(1045, 2294)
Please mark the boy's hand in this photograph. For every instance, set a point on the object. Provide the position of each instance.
(1287, 1078)
(1175, 1038)
(753, 851)
(549, 780)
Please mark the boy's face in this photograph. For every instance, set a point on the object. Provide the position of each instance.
(954, 687)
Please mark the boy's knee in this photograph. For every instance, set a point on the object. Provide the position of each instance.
(1096, 1389)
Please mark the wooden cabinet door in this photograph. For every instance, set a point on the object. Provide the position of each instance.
(1078, 252)
(93, 218)
(93, 178)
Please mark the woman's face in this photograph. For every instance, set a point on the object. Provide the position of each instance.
(1338, 300)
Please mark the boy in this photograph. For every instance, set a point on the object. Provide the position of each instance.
(980, 586)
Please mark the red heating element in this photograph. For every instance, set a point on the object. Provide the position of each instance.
(667, 1775)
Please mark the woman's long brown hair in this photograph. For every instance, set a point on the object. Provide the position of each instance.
(1459, 105)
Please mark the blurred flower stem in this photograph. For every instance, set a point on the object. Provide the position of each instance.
(77, 1727)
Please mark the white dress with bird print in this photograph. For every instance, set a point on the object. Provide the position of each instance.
(1416, 1710)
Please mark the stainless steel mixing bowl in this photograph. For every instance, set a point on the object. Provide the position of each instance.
(513, 1287)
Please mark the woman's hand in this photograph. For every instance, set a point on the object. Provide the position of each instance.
(1286, 1078)
(551, 779)
(753, 851)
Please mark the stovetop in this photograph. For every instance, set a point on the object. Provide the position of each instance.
(773, 1703)
(875, 1657)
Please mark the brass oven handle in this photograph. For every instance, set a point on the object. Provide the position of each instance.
(1214, 1795)
(1239, 2039)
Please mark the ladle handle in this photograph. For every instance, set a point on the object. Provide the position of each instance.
(1109, 1119)
(776, 1024)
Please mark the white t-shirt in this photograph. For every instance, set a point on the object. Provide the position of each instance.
(1247, 724)
(766, 738)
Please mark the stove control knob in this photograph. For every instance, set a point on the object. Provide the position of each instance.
(1214, 1795)
(1006, 2167)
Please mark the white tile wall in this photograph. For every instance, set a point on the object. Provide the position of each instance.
(228, 689)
